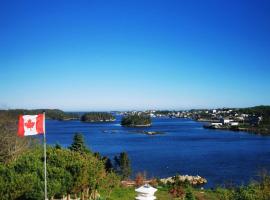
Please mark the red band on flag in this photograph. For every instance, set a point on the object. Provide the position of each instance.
(40, 123)
(21, 126)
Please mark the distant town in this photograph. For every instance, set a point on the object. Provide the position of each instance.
(254, 119)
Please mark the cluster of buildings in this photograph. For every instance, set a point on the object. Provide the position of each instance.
(217, 118)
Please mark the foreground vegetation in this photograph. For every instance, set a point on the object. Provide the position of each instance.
(136, 120)
(73, 172)
(97, 117)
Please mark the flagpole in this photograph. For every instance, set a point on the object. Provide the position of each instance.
(45, 159)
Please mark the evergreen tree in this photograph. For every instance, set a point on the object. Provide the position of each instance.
(57, 146)
(122, 165)
(108, 164)
(78, 144)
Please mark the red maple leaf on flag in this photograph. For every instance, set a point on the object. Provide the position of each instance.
(29, 124)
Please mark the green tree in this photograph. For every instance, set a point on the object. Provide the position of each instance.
(108, 164)
(122, 165)
(58, 146)
(78, 144)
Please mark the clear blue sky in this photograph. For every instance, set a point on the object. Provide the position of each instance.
(107, 55)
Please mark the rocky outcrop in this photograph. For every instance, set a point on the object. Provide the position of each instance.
(193, 180)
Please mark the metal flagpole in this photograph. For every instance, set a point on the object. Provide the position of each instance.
(45, 159)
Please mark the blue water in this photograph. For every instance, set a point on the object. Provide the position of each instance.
(185, 148)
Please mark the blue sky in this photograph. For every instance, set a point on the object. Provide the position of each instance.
(117, 55)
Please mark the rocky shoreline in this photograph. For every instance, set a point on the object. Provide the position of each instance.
(193, 180)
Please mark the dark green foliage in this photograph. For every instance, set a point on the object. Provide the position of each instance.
(108, 164)
(263, 111)
(136, 120)
(97, 155)
(122, 165)
(107, 161)
(68, 172)
(97, 117)
(189, 194)
(58, 146)
(55, 114)
(78, 144)
(264, 126)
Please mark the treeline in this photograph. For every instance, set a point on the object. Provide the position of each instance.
(136, 120)
(54, 114)
(97, 117)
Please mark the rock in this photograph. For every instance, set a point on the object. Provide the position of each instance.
(193, 180)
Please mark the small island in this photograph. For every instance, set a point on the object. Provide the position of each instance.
(97, 117)
(136, 120)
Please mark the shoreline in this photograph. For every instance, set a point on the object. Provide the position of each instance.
(137, 126)
(238, 129)
(193, 180)
(98, 121)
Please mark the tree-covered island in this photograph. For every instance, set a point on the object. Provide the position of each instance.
(136, 120)
(97, 117)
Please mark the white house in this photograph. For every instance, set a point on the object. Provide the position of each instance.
(146, 192)
(152, 115)
(226, 121)
(234, 123)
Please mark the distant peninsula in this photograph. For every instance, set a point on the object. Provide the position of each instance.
(97, 117)
(136, 120)
(53, 114)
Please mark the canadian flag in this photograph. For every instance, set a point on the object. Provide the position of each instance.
(31, 125)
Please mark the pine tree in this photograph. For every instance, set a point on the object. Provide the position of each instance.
(57, 146)
(78, 144)
(122, 165)
(108, 164)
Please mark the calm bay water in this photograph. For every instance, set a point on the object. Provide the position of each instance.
(185, 148)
